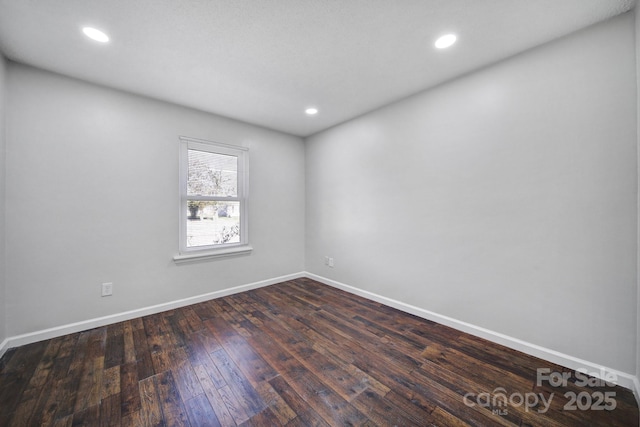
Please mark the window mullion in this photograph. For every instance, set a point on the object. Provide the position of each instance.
(212, 198)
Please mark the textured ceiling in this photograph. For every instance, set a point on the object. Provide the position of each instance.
(265, 61)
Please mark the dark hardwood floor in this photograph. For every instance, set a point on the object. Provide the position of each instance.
(297, 353)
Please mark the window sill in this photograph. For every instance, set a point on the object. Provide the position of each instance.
(218, 253)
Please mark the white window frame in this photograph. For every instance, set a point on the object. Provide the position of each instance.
(226, 249)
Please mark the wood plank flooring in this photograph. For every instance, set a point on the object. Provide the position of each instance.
(297, 353)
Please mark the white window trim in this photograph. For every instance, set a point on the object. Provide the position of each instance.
(187, 254)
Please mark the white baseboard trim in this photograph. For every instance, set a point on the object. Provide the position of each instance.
(623, 379)
(84, 325)
(4, 346)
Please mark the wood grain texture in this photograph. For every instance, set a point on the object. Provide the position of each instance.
(298, 353)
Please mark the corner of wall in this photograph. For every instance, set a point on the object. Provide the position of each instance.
(3, 328)
(637, 40)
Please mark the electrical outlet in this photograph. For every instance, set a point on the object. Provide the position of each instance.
(326, 260)
(331, 262)
(107, 289)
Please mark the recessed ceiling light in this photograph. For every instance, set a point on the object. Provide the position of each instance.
(446, 41)
(311, 111)
(95, 34)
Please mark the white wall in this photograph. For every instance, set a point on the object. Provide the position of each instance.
(637, 56)
(91, 197)
(3, 323)
(505, 199)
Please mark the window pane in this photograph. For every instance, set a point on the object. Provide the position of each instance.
(212, 174)
(212, 223)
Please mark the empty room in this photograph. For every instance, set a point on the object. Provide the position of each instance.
(319, 213)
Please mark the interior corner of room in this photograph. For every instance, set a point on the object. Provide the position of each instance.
(503, 203)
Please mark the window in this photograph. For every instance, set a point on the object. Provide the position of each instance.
(213, 199)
